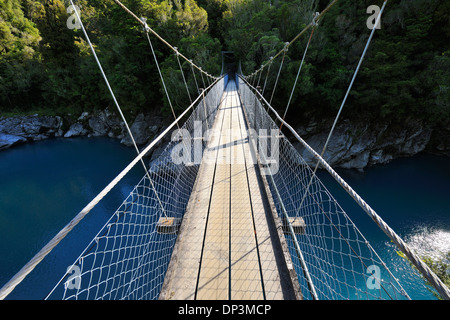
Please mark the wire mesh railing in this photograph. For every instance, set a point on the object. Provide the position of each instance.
(129, 256)
(332, 258)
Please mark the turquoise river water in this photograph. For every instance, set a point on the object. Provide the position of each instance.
(44, 185)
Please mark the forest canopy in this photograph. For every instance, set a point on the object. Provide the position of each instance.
(47, 67)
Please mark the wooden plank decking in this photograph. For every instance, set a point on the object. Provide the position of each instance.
(227, 247)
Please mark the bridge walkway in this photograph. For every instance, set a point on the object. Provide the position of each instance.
(228, 246)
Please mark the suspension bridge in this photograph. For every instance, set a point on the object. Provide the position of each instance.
(229, 210)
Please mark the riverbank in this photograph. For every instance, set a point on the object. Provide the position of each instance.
(354, 145)
(16, 130)
(361, 144)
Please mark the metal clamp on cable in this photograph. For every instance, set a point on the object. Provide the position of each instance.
(146, 27)
(315, 22)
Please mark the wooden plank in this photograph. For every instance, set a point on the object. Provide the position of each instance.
(245, 272)
(168, 225)
(213, 279)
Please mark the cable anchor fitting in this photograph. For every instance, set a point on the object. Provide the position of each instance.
(146, 27)
(315, 22)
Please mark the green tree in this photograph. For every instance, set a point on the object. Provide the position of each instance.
(191, 19)
(20, 71)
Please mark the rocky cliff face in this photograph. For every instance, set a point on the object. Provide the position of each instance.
(358, 145)
(17, 130)
(20, 129)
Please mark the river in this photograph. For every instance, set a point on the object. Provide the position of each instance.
(412, 196)
(44, 185)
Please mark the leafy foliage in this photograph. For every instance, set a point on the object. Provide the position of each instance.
(441, 267)
(45, 65)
